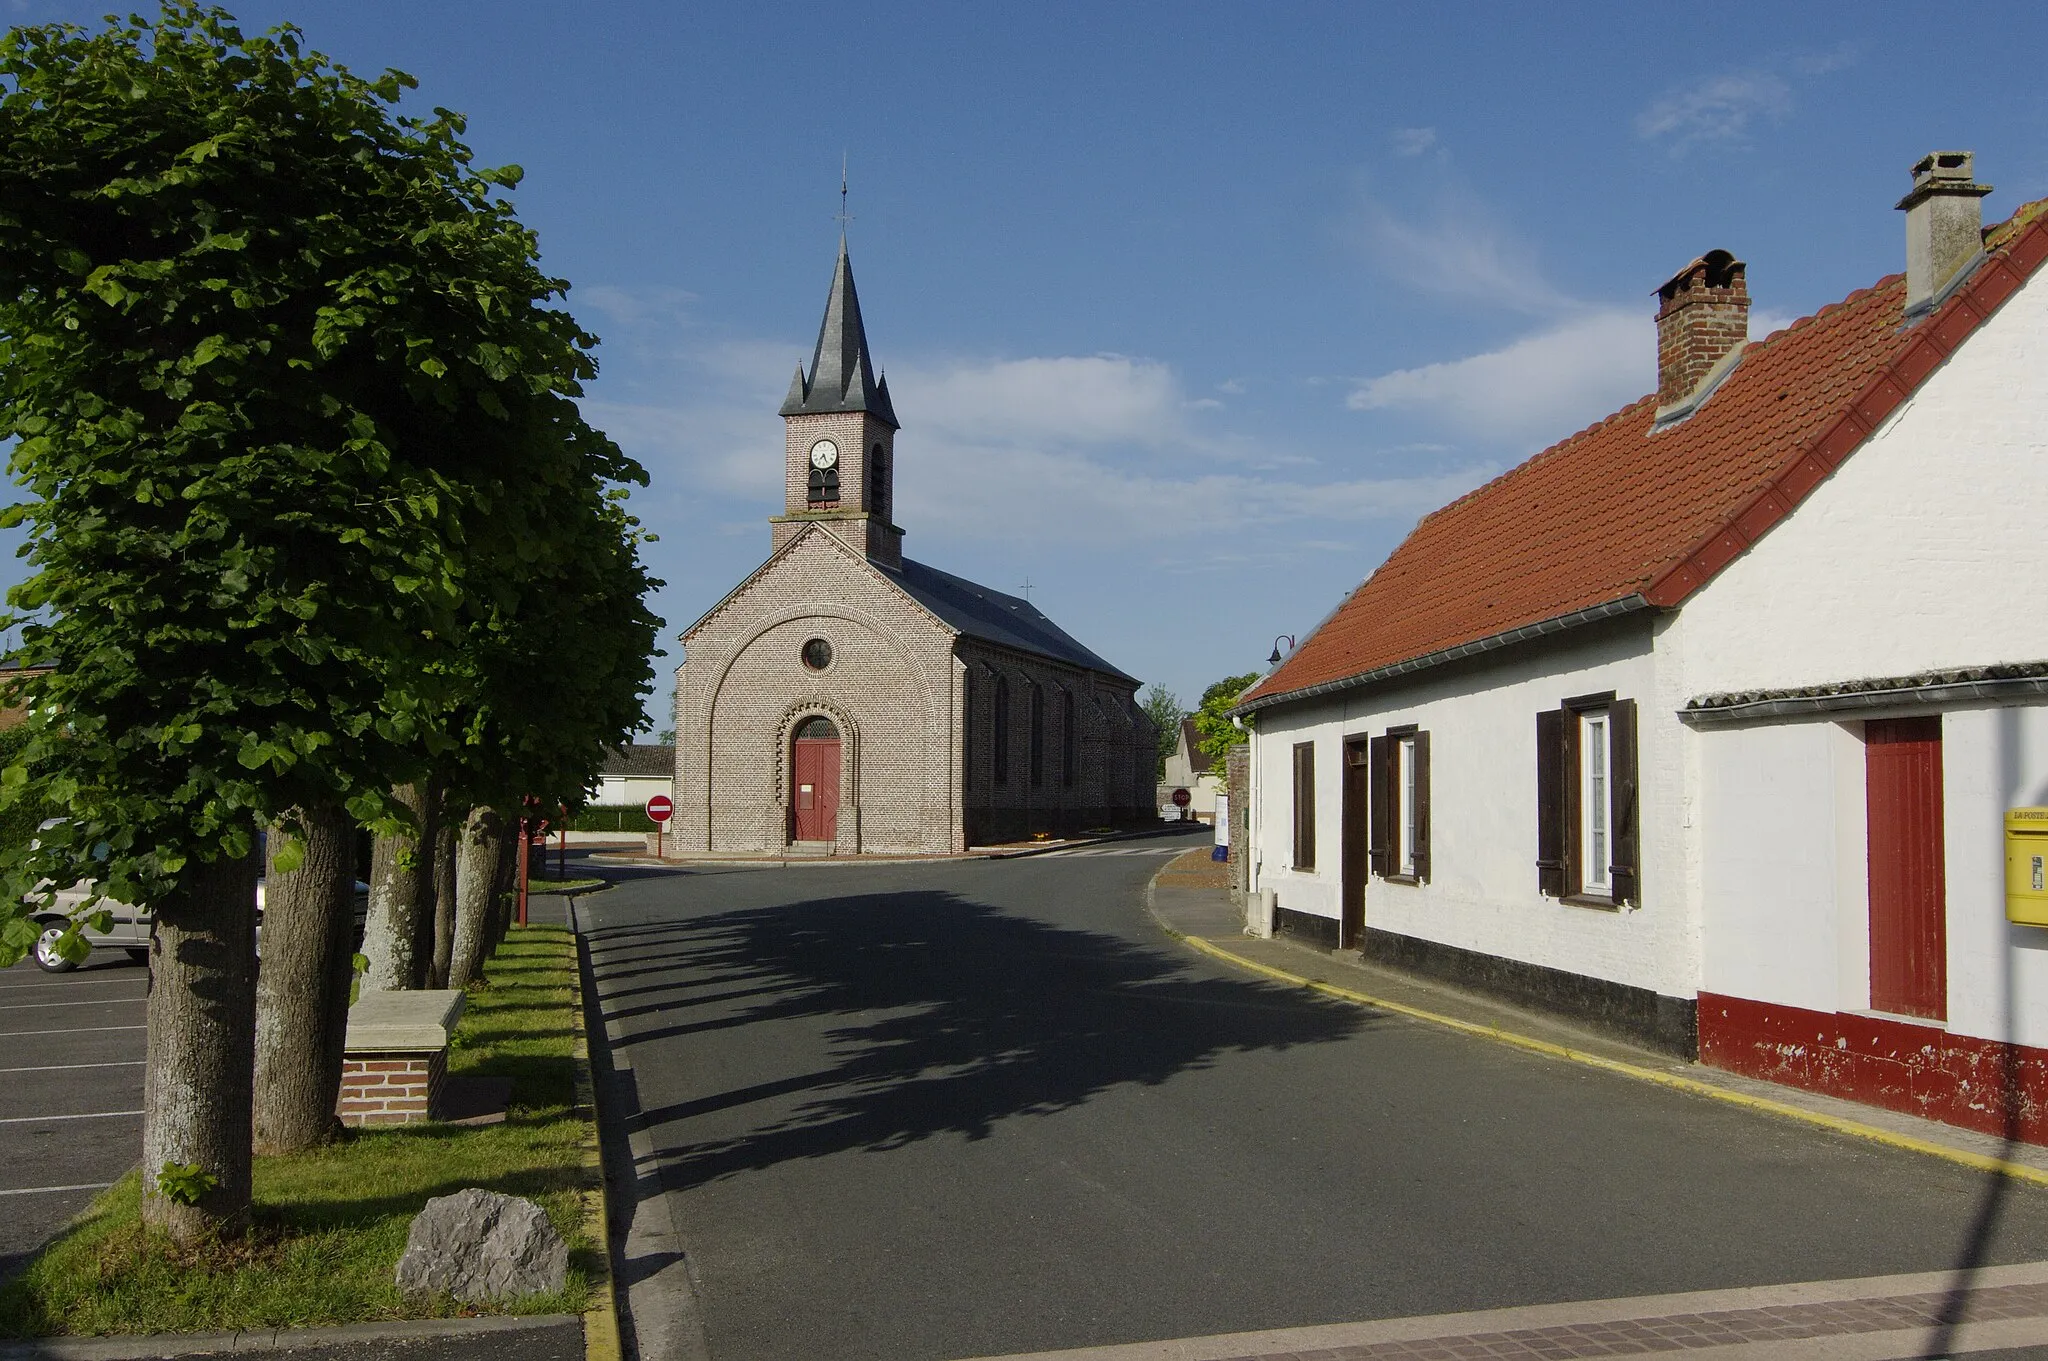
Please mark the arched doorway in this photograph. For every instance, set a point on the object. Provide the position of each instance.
(814, 781)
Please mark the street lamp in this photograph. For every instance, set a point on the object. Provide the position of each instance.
(1288, 638)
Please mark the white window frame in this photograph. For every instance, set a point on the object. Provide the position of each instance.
(1405, 806)
(1596, 801)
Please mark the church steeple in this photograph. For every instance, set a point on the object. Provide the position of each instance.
(842, 376)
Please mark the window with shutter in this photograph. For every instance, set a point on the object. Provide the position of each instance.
(1622, 762)
(1304, 805)
(1551, 768)
(1419, 785)
(1379, 842)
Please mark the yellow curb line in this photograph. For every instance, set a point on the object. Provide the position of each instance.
(1981, 1162)
(601, 1319)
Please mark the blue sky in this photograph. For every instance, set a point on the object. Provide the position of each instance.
(1190, 310)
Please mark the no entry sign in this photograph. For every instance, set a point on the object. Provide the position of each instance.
(1181, 798)
(661, 807)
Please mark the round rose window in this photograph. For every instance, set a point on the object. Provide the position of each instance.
(817, 654)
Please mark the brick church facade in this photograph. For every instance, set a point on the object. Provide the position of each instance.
(844, 699)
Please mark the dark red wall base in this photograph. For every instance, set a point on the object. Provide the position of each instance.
(1919, 1070)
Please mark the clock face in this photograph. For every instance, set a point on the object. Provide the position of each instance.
(824, 454)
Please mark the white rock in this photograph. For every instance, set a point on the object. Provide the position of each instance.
(479, 1245)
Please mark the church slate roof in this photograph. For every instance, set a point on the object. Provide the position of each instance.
(842, 376)
(992, 617)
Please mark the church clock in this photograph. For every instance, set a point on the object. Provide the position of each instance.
(824, 455)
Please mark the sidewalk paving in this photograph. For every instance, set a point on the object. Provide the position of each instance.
(1188, 902)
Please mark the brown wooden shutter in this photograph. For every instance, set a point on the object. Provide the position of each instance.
(1304, 806)
(1625, 879)
(1380, 845)
(1552, 770)
(1422, 806)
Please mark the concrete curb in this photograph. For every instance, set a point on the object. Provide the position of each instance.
(601, 1319)
(790, 862)
(1762, 1104)
(266, 1340)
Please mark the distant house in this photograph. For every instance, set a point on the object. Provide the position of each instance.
(12, 710)
(634, 774)
(1188, 769)
(1702, 725)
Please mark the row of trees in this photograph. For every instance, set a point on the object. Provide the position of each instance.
(1214, 732)
(320, 541)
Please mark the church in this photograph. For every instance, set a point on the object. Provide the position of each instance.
(847, 700)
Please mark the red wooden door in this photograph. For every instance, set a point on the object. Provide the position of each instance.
(1908, 897)
(816, 794)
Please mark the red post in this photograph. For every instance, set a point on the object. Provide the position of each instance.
(525, 845)
(657, 840)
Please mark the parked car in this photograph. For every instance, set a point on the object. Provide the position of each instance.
(128, 928)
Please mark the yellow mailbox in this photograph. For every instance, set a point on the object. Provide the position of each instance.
(2026, 865)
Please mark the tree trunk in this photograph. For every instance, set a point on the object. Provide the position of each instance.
(507, 882)
(392, 938)
(423, 867)
(302, 988)
(200, 1069)
(476, 894)
(444, 894)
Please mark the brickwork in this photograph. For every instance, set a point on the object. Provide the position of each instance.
(1702, 316)
(861, 516)
(391, 1089)
(1114, 752)
(891, 690)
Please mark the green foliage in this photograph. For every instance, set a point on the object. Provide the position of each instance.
(30, 808)
(185, 1183)
(612, 817)
(307, 483)
(1162, 706)
(1212, 721)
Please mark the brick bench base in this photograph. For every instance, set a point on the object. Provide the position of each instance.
(391, 1088)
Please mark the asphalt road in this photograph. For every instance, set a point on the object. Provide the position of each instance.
(71, 1049)
(975, 1108)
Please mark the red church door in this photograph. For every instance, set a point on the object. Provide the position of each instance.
(1908, 879)
(814, 794)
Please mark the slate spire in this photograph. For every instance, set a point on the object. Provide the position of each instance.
(842, 376)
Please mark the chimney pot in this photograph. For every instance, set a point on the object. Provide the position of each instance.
(1702, 319)
(1944, 226)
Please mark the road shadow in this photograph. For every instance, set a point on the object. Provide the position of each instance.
(950, 1016)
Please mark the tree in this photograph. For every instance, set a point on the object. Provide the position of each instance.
(1162, 706)
(288, 390)
(1212, 721)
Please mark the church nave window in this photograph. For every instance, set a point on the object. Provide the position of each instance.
(817, 654)
(1001, 731)
(1037, 735)
(1067, 745)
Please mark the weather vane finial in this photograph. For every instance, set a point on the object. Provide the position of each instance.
(844, 216)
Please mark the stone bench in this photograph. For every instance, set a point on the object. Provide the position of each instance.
(396, 1056)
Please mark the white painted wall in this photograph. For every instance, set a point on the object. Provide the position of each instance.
(1788, 916)
(634, 789)
(1912, 555)
(1482, 894)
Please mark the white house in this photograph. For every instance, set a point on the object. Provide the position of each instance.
(1702, 724)
(1188, 769)
(634, 774)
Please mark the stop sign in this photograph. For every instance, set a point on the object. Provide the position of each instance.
(1181, 798)
(661, 807)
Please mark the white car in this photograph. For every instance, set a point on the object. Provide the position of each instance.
(129, 928)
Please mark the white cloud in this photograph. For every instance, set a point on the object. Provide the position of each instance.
(1540, 387)
(1412, 141)
(633, 308)
(1714, 109)
(1091, 399)
(1459, 250)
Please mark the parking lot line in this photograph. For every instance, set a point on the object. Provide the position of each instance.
(38, 1006)
(45, 1119)
(66, 1067)
(81, 1030)
(50, 1190)
(71, 983)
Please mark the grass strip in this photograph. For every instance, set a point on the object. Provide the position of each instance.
(330, 1224)
(538, 885)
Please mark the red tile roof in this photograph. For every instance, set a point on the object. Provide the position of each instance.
(1618, 516)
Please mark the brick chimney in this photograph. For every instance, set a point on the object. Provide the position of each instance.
(1944, 225)
(1702, 319)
